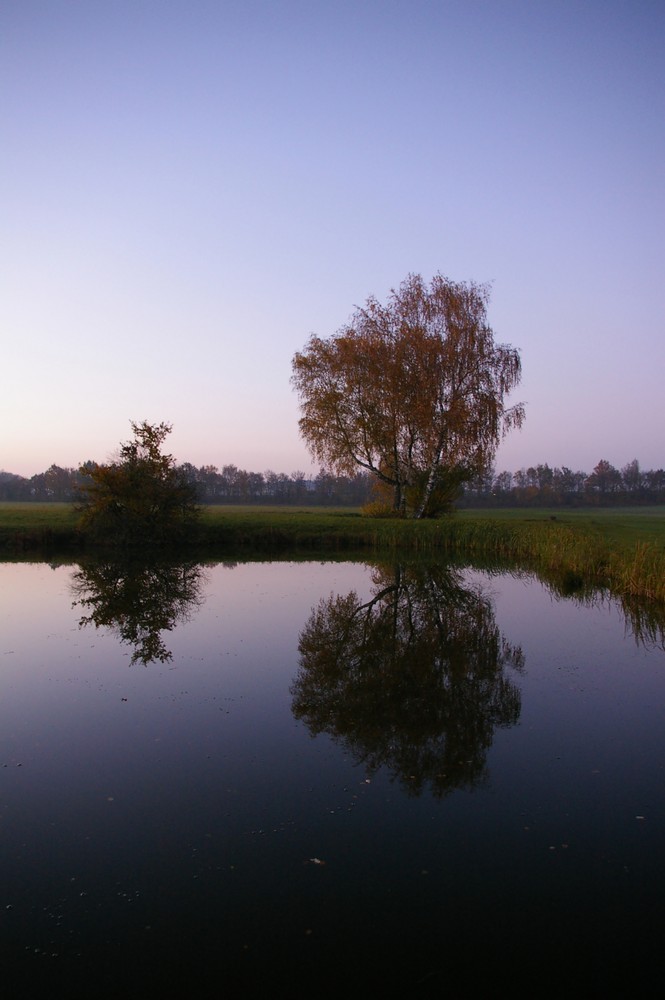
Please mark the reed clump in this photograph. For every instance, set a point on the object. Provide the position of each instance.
(642, 573)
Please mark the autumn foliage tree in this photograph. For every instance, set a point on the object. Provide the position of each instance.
(413, 391)
(140, 498)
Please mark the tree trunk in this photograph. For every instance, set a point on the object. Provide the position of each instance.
(429, 486)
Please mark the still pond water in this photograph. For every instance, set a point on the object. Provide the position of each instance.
(312, 778)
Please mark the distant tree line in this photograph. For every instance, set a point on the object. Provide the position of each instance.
(542, 486)
(535, 486)
(228, 485)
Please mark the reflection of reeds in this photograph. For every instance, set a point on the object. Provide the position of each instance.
(645, 621)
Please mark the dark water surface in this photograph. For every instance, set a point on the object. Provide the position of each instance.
(311, 779)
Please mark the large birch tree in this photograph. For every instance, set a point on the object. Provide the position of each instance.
(414, 391)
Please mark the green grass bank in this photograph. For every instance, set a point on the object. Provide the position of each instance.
(622, 549)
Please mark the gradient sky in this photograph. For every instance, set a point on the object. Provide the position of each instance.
(190, 188)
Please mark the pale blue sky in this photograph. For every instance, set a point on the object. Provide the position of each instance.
(189, 188)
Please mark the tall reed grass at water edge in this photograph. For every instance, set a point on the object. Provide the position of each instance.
(552, 547)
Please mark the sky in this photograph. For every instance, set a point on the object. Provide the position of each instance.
(189, 189)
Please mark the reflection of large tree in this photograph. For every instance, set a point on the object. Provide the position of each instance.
(412, 679)
(138, 601)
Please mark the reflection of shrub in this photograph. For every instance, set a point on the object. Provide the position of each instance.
(138, 600)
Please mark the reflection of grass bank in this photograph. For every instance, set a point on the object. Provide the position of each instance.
(623, 549)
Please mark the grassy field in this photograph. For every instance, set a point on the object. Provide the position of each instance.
(619, 548)
(622, 527)
(35, 523)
